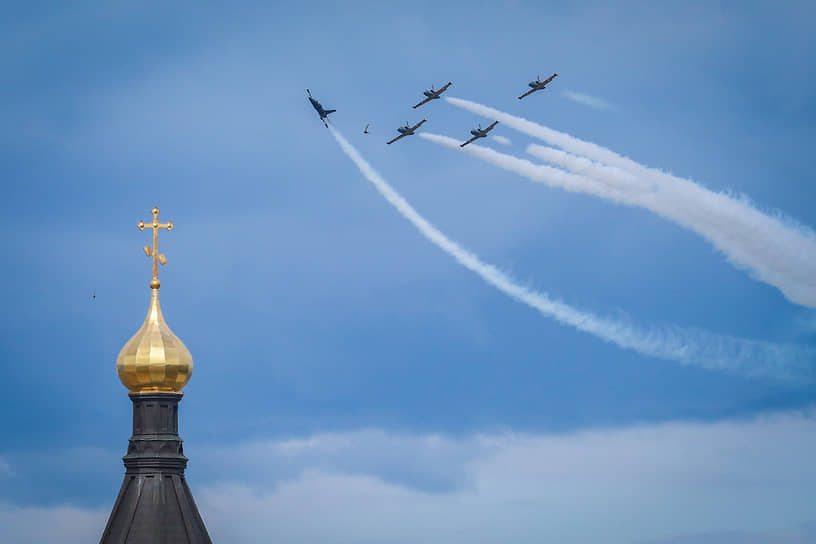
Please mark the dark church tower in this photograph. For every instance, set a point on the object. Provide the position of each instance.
(155, 505)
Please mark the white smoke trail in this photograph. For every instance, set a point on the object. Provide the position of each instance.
(774, 250)
(610, 175)
(501, 139)
(686, 346)
(541, 173)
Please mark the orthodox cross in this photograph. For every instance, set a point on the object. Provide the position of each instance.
(154, 251)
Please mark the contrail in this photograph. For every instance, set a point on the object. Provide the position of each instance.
(775, 250)
(694, 347)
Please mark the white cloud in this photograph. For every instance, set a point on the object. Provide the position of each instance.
(747, 481)
(502, 140)
(63, 524)
(433, 462)
(801, 534)
(587, 100)
(638, 484)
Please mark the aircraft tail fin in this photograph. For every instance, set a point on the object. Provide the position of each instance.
(330, 111)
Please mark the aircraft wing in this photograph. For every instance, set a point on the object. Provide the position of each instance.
(423, 102)
(471, 140)
(413, 128)
(444, 88)
(492, 125)
(548, 79)
(528, 93)
(397, 138)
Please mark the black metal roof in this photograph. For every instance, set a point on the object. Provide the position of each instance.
(155, 505)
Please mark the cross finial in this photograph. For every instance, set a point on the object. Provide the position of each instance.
(154, 251)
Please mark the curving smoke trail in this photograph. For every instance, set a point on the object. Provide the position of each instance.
(693, 347)
(774, 250)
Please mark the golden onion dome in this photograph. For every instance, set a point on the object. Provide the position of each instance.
(154, 360)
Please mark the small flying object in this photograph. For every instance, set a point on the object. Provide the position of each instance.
(93, 297)
(538, 85)
(431, 94)
(365, 131)
(480, 132)
(407, 130)
(323, 113)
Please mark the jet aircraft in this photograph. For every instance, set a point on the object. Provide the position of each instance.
(538, 85)
(480, 132)
(433, 95)
(323, 113)
(407, 130)
(365, 130)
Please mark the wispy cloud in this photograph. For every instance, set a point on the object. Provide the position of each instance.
(5, 468)
(804, 533)
(41, 525)
(627, 484)
(587, 100)
(734, 477)
(432, 463)
(501, 139)
(806, 323)
(772, 248)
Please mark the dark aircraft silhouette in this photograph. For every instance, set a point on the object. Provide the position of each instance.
(323, 113)
(365, 131)
(407, 130)
(480, 133)
(433, 95)
(538, 85)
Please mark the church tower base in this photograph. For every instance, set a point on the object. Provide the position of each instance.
(155, 505)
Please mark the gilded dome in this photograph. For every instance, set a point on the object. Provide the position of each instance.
(154, 360)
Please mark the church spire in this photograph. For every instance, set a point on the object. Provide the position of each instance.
(155, 505)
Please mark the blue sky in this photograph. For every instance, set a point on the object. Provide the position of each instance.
(318, 316)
